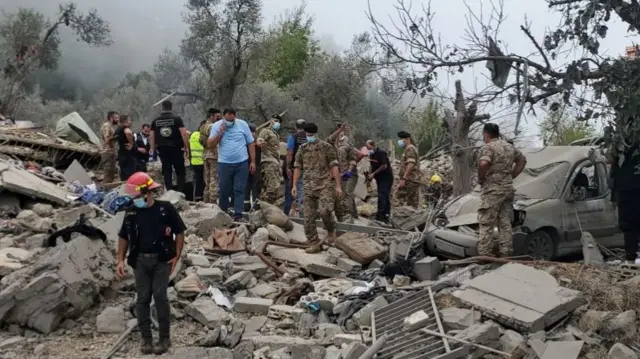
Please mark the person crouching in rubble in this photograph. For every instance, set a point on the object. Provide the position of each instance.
(147, 234)
(319, 162)
(496, 172)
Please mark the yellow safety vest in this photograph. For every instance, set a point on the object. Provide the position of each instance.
(196, 149)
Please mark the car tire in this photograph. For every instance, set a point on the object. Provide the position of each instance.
(541, 246)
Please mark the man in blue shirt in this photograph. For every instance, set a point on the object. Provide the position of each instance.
(236, 159)
(294, 141)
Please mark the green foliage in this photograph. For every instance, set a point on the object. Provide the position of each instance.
(425, 125)
(287, 49)
(221, 36)
(561, 129)
(29, 41)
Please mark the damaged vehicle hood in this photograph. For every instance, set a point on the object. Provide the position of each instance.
(543, 178)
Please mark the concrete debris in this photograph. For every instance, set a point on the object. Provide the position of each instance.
(360, 247)
(487, 334)
(277, 234)
(288, 304)
(459, 318)
(590, 250)
(18, 180)
(63, 283)
(427, 268)
(564, 350)
(239, 281)
(621, 351)
(252, 305)
(12, 259)
(207, 313)
(506, 295)
(111, 320)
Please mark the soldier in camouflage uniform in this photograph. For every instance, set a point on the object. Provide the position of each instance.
(319, 162)
(210, 158)
(348, 158)
(496, 172)
(408, 193)
(108, 157)
(272, 181)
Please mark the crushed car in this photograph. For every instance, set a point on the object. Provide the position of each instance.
(562, 192)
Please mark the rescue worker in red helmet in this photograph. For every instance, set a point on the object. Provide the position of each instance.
(152, 234)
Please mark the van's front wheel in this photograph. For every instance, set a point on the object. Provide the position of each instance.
(541, 246)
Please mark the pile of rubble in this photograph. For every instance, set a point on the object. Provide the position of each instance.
(249, 290)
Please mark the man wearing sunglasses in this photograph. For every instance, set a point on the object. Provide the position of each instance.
(152, 233)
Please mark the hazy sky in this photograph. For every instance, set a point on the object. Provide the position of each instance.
(142, 28)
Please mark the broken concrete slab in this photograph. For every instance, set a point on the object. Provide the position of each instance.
(487, 334)
(63, 283)
(239, 281)
(12, 259)
(360, 247)
(562, 350)
(18, 180)
(252, 305)
(204, 220)
(75, 172)
(207, 313)
(275, 342)
(198, 260)
(316, 263)
(111, 320)
(69, 216)
(277, 234)
(459, 318)
(621, 351)
(209, 275)
(520, 297)
(363, 316)
(255, 323)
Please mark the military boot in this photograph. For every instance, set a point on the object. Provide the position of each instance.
(147, 346)
(162, 346)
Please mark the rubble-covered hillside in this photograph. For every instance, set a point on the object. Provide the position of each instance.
(249, 290)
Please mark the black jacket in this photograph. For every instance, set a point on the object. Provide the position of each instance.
(139, 142)
(167, 245)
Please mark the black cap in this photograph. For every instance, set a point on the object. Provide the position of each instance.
(311, 128)
(403, 134)
(300, 123)
(277, 117)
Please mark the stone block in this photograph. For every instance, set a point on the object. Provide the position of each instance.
(363, 316)
(210, 275)
(416, 320)
(280, 312)
(207, 313)
(198, 260)
(427, 268)
(239, 281)
(111, 320)
(252, 305)
(459, 318)
(348, 265)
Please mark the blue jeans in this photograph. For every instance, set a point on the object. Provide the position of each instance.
(232, 178)
(288, 200)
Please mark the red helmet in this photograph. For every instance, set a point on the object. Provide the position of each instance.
(138, 183)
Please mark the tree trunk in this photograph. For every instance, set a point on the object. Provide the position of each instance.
(459, 125)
